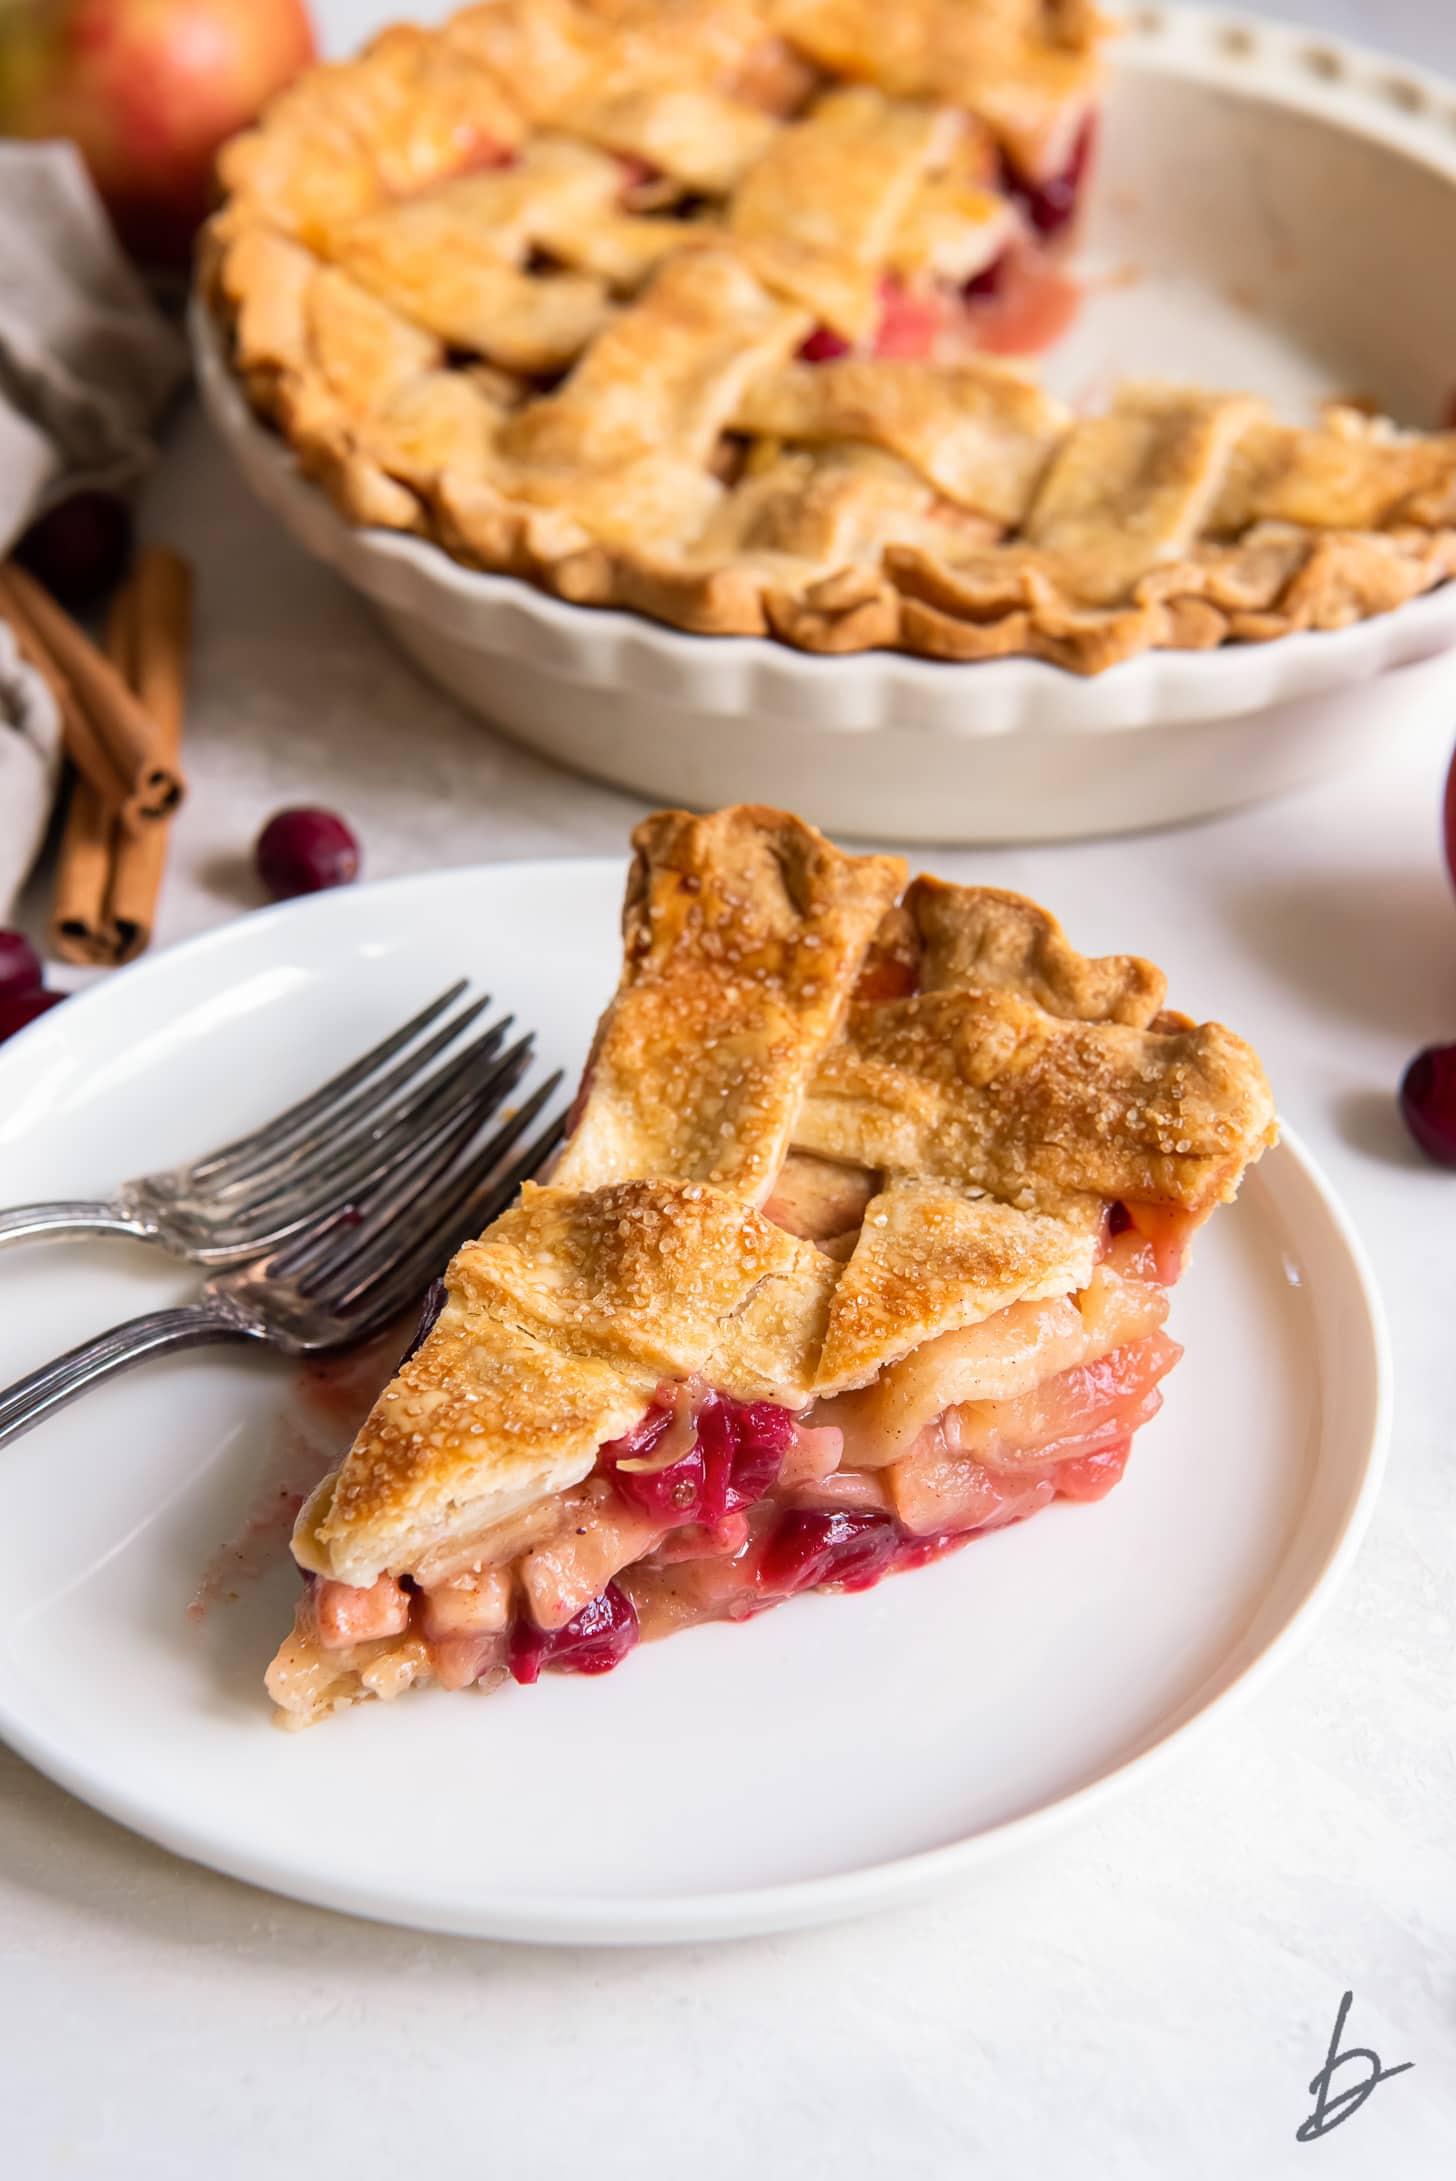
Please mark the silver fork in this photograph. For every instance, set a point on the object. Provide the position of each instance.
(241, 1201)
(338, 1280)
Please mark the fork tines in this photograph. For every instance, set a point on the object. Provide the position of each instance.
(402, 1236)
(369, 1124)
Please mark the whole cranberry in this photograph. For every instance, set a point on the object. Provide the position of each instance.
(17, 1009)
(1428, 1102)
(735, 1458)
(762, 1436)
(80, 548)
(305, 852)
(810, 1547)
(991, 279)
(823, 345)
(598, 1639)
(1052, 205)
(20, 970)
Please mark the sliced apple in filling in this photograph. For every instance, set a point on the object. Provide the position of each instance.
(714, 1509)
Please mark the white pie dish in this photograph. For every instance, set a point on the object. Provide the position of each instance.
(820, 1762)
(1342, 288)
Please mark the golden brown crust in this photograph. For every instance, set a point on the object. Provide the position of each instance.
(482, 1421)
(930, 1259)
(561, 1320)
(984, 1089)
(979, 936)
(744, 933)
(661, 199)
(988, 1115)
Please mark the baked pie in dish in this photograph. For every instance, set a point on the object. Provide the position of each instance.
(859, 1246)
(683, 306)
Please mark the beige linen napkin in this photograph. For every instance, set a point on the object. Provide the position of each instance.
(86, 365)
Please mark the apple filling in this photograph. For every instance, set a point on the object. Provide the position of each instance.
(715, 1509)
(983, 274)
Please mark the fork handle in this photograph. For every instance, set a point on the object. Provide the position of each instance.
(87, 1215)
(42, 1392)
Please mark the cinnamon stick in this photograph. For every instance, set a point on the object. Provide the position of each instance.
(109, 875)
(82, 745)
(150, 787)
(156, 638)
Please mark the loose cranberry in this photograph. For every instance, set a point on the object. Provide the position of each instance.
(810, 1547)
(1428, 1101)
(598, 1639)
(304, 852)
(1449, 808)
(20, 969)
(1119, 1219)
(823, 346)
(79, 549)
(1050, 206)
(19, 1008)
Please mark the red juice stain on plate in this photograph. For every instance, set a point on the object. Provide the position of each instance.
(260, 1544)
(344, 1388)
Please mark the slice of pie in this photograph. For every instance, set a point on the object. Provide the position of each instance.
(859, 1246)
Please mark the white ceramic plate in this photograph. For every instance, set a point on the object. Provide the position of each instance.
(1271, 210)
(833, 1757)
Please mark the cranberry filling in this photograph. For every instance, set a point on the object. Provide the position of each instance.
(637, 173)
(741, 1550)
(907, 328)
(1050, 206)
(598, 1639)
(734, 1460)
(809, 1548)
(823, 345)
(480, 152)
(990, 280)
(908, 324)
(918, 1552)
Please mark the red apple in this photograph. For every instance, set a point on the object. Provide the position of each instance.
(148, 89)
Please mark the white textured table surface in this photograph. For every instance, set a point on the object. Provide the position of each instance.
(1151, 1995)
